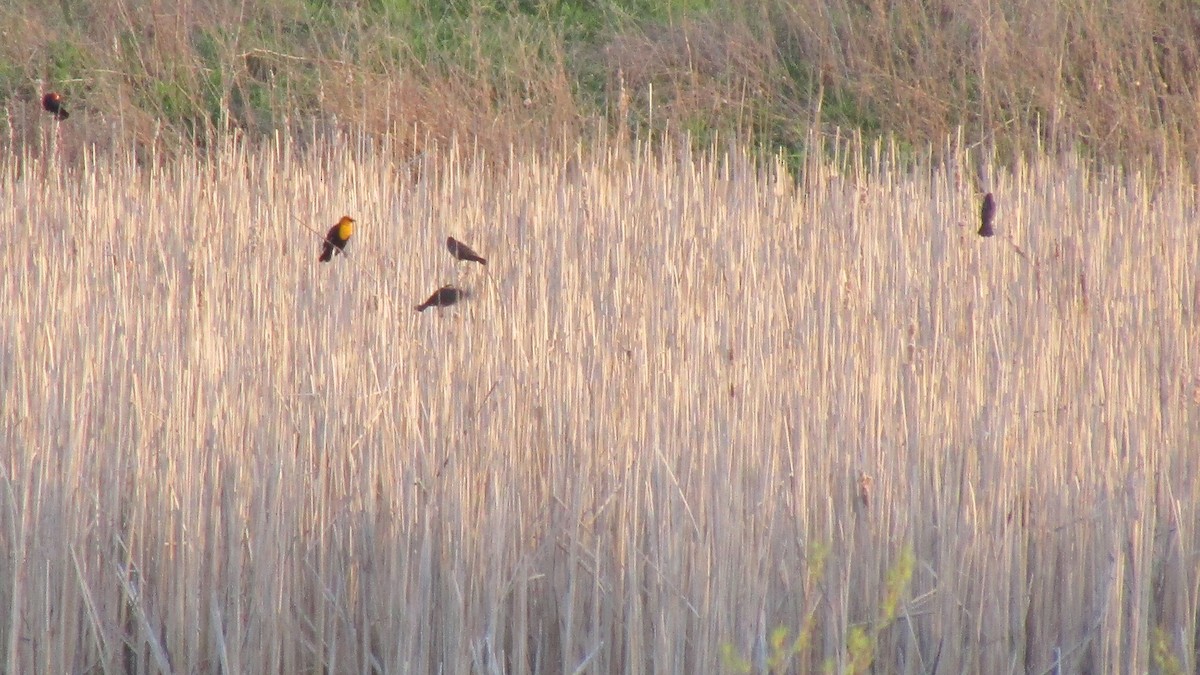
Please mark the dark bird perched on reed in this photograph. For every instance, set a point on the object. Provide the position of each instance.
(987, 212)
(335, 241)
(442, 297)
(52, 103)
(463, 252)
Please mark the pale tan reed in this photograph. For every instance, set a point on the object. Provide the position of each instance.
(619, 454)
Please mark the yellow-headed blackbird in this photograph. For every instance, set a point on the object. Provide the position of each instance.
(463, 252)
(53, 104)
(986, 213)
(335, 241)
(442, 297)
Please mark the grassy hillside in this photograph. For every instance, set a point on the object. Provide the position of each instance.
(1118, 81)
(697, 416)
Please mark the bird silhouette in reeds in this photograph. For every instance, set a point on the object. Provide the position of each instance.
(336, 239)
(987, 213)
(463, 252)
(52, 103)
(442, 297)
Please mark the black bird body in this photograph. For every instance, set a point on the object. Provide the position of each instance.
(463, 252)
(53, 104)
(336, 239)
(987, 213)
(442, 297)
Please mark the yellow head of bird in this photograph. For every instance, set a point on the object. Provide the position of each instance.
(345, 228)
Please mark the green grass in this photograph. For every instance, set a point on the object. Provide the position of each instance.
(522, 70)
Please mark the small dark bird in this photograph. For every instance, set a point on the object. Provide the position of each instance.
(986, 213)
(463, 252)
(442, 297)
(53, 104)
(335, 241)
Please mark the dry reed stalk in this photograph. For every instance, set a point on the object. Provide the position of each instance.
(623, 453)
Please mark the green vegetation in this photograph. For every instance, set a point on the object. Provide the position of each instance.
(1114, 84)
(1164, 659)
(783, 649)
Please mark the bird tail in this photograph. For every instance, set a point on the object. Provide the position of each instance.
(326, 253)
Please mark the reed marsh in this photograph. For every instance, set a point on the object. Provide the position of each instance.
(692, 402)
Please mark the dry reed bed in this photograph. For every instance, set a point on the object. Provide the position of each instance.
(624, 450)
